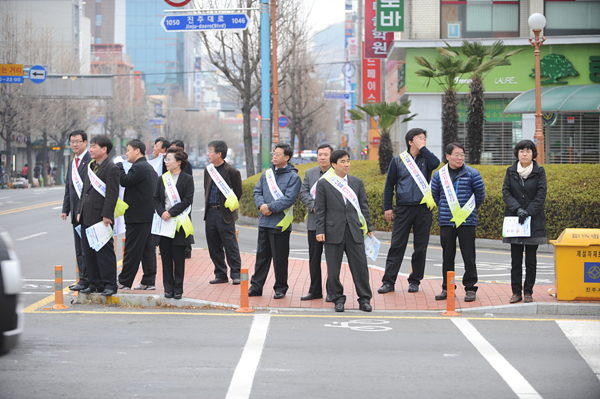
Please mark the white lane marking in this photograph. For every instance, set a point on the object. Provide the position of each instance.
(57, 207)
(511, 376)
(1, 198)
(46, 279)
(585, 337)
(243, 377)
(31, 236)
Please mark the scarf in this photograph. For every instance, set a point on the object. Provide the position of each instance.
(524, 172)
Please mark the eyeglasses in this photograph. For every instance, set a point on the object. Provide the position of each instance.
(76, 142)
(458, 155)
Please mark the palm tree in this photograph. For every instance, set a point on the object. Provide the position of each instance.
(487, 58)
(446, 71)
(385, 115)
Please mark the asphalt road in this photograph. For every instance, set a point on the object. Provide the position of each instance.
(111, 352)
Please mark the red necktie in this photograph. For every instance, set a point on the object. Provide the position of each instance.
(77, 162)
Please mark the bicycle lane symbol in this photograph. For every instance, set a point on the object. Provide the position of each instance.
(368, 325)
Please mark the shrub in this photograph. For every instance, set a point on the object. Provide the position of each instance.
(573, 199)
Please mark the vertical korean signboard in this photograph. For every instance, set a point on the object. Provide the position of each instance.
(376, 43)
(390, 16)
(371, 76)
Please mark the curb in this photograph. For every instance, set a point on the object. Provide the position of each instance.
(387, 236)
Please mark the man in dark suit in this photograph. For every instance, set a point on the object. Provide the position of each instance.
(340, 226)
(139, 183)
(220, 220)
(161, 145)
(95, 208)
(307, 195)
(73, 188)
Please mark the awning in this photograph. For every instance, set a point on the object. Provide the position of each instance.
(578, 98)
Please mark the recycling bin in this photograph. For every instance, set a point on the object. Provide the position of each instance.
(577, 265)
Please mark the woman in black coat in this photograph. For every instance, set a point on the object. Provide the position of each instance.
(524, 192)
(172, 250)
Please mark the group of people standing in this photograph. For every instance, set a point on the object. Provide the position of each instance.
(338, 219)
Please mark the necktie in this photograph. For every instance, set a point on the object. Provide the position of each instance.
(77, 162)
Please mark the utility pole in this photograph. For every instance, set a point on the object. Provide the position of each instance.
(265, 121)
(275, 78)
(358, 92)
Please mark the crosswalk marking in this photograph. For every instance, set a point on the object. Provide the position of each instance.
(585, 337)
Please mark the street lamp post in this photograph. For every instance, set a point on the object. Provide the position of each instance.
(537, 22)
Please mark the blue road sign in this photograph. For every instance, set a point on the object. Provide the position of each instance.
(37, 74)
(337, 96)
(283, 121)
(11, 79)
(184, 23)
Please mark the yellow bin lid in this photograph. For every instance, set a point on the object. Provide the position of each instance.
(577, 238)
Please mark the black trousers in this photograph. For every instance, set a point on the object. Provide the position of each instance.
(516, 271)
(466, 239)
(139, 247)
(271, 245)
(101, 266)
(83, 276)
(357, 260)
(407, 217)
(221, 240)
(315, 250)
(173, 265)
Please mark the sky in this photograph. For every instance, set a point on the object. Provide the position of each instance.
(325, 12)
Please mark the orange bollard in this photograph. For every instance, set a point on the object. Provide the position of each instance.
(58, 289)
(123, 248)
(450, 307)
(244, 306)
(237, 237)
(76, 278)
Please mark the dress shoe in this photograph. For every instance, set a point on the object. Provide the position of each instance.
(365, 307)
(442, 296)
(77, 287)
(412, 287)
(177, 296)
(219, 281)
(310, 297)
(254, 292)
(108, 292)
(236, 281)
(123, 287)
(528, 298)
(88, 291)
(328, 299)
(384, 289)
(470, 296)
(168, 295)
(144, 287)
(279, 295)
(339, 307)
(516, 298)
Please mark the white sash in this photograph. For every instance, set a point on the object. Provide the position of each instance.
(95, 181)
(313, 189)
(347, 192)
(459, 215)
(76, 179)
(277, 194)
(231, 199)
(418, 177)
(173, 195)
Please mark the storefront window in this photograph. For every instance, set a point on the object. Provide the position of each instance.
(479, 19)
(581, 17)
(573, 137)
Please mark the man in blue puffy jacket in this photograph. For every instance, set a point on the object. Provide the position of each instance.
(274, 195)
(458, 191)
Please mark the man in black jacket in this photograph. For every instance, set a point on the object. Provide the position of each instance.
(408, 177)
(140, 184)
(219, 219)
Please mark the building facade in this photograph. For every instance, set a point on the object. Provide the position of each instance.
(572, 39)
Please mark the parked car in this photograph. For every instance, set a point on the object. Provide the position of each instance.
(11, 315)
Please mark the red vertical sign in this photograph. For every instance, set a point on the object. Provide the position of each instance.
(371, 79)
(377, 44)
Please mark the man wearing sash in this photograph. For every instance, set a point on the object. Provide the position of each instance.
(139, 183)
(274, 196)
(343, 221)
(307, 195)
(76, 169)
(222, 189)
(408, 177)
(458, 191)
(98, 200)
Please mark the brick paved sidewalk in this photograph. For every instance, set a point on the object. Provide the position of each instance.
(199, 271)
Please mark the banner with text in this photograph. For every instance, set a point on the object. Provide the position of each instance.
(376, 43)
(371, 79)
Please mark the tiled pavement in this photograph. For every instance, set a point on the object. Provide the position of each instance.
(199, 271)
